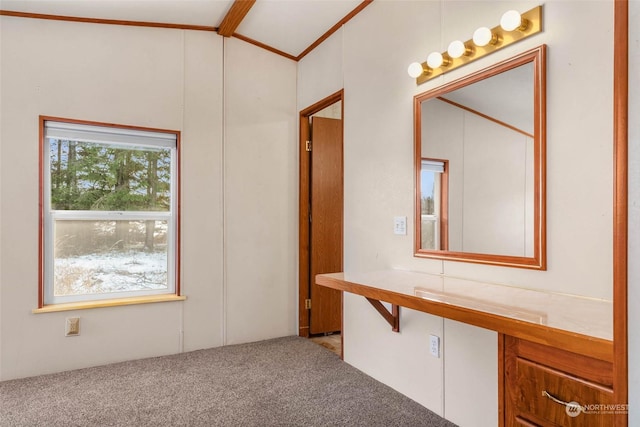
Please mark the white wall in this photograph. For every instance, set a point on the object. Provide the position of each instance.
(488, 178)
(261, 233)
(634, 213)
(162, 78)
(376, 47)
(232, 256)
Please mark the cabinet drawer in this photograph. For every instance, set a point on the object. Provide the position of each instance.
(532, 380)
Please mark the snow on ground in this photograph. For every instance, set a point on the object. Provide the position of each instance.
(110, 272)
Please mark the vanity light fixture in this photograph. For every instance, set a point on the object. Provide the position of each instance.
(457, 48)
(513, 28)
(512, 20)
(416, 69)
(484, 36)
(437, 59)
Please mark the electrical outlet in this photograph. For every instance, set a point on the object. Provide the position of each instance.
(72, 327)
(434, 345)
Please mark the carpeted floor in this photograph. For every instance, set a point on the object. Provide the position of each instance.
(282, 382)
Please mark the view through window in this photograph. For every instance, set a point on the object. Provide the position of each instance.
(431, 203)
(109, 212)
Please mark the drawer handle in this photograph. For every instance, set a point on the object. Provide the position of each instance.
(572, 407)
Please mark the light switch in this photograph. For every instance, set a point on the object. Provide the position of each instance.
(400, 225)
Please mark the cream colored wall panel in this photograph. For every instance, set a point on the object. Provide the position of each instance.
(36, 344)
(400, 360)
(123, 75)
(577, 128)
(202, 251)
(470, 375)
(320, 73)
(486, 177)
(379, 157)
(379, 177)
(494, 183)
(446, 142)
(378, 132)
(634, 212)
(260, 193)
(99, 72)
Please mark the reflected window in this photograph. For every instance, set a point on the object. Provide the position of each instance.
(433, 180)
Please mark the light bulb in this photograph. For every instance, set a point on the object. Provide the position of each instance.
(415, 70)
(434, 60)
(482, 36)
(457, 48)
(512, 20)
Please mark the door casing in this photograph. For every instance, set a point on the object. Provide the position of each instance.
(304, 209)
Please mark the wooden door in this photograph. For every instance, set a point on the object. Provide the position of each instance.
(326, 224)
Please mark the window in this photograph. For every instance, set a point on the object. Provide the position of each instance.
(109, 212)
(433, 180)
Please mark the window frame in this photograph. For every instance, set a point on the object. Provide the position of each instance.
(441, 203)
(47, 218)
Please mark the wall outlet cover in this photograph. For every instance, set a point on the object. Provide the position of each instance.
(434, 345)
(72, 327)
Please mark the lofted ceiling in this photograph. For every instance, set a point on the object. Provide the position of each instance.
(287, 27)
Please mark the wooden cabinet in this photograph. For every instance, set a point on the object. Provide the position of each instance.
(547, 386)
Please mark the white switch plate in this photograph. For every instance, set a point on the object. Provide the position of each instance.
(434, 345)
(400, 225)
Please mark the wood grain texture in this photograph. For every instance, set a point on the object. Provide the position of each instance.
(303, 228)
(304, 277)
(531, 369)
(333, 29)
(264, 46)
(598, 371)
(530, 380)
(234, 17)
(501, 380)
(392, 318)
(539, 259)
(326, 220)
(107, 21)
(620, 205)
(578, 343)
(41, 255)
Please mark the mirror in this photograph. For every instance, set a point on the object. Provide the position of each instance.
(480, 166)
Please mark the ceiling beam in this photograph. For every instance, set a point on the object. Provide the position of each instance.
(234, 17)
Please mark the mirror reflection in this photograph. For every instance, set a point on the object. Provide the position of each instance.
(479, 161)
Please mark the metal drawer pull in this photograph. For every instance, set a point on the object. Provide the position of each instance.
(572, 407)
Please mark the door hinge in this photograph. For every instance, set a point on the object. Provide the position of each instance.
(307, 304)
(308, 145)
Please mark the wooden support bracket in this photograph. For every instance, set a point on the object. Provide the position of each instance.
(392, 318)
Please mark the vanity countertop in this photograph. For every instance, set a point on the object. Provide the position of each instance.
(579, 324)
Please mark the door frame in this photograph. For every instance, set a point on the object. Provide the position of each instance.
(620, 205)
(304, 211)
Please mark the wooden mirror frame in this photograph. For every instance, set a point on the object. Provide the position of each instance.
(537, 57)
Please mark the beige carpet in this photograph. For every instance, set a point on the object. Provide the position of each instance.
(282, 382)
